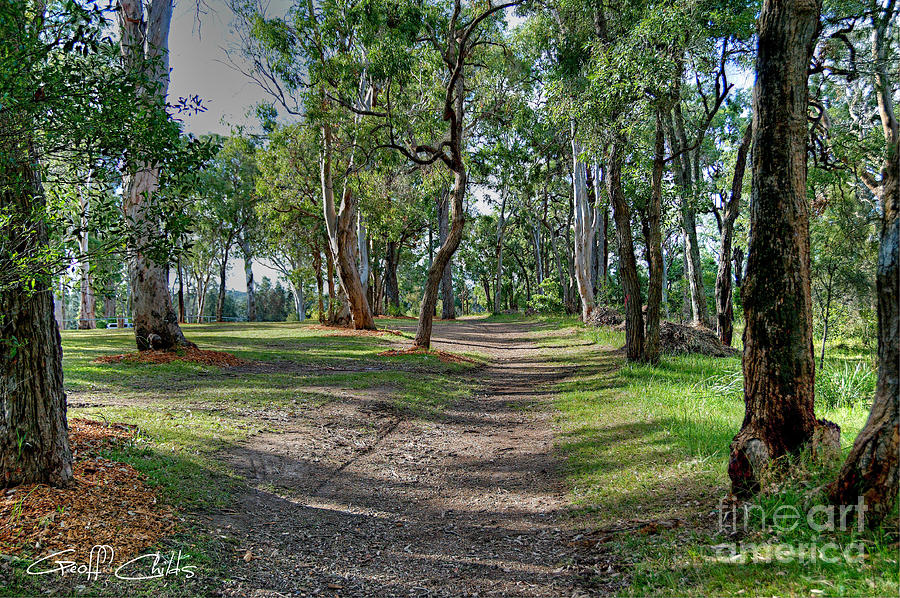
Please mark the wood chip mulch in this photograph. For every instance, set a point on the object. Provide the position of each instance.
(217, 358)
(444, 356)
(107, 503)
(346, 331)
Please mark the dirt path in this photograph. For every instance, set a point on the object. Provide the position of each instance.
(359, 500)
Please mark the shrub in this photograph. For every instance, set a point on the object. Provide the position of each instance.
(549, 298)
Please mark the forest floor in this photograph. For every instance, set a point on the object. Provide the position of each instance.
(542, 465)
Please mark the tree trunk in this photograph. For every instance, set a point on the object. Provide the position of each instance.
(342, 238)
(584, 230)
(654, 245)
(538, 258)
(34, 440)
(442, 257)
(724, 304)
(498, 250)
(248, 276)
(634, 318)
(778, 349)
(391, 288)
(87, 315)
(320, 282)
(684, 176)
(223, 271)
(448, 308)
(59, 305)
(871, 469)
(181, 311)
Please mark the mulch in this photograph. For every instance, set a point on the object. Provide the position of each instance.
(444, 356)
(190, 354)
(107, 503)
(347, 331)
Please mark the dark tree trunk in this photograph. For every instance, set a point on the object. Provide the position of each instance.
(487, 292)
(778, 345)
(320, 282)
(738, 259)
(654, 245)
(34, 441)
(448, 309)
(220, 300)
(181, 318)
(634, 318)
(724, 304)
(391, 287)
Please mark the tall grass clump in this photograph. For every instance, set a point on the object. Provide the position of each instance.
(845, 385)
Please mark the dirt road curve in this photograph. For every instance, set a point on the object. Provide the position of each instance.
(358, 500)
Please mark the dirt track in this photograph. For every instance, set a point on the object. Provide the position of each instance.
(360, 500)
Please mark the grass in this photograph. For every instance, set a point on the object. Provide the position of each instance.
(650, 443)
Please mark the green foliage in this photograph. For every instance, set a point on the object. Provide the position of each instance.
(549, 300)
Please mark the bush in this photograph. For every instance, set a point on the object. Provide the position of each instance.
(549, 299)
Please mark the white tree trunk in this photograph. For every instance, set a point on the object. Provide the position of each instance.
(584, 231)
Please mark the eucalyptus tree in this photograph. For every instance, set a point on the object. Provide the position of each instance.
(144, 43)
(778, 357)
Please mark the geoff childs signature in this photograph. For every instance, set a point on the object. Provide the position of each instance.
(153, 565)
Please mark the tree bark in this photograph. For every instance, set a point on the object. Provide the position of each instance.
(584, 230)
(448, 308)
(871, 468)
(247, 250)
(443, 255)
(34, 439)
(778, 358)
(340, 224)
(181, 310)
(654, 245)
(634, 318)
(391, 288)
(145, 47)
(223, 271)
(724, 304)
(87, 314)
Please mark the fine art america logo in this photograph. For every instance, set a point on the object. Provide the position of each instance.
(153, 565)
(786, 519)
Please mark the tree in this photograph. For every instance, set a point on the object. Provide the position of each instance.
(145, 50)
(724, 304)
(778, 357)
